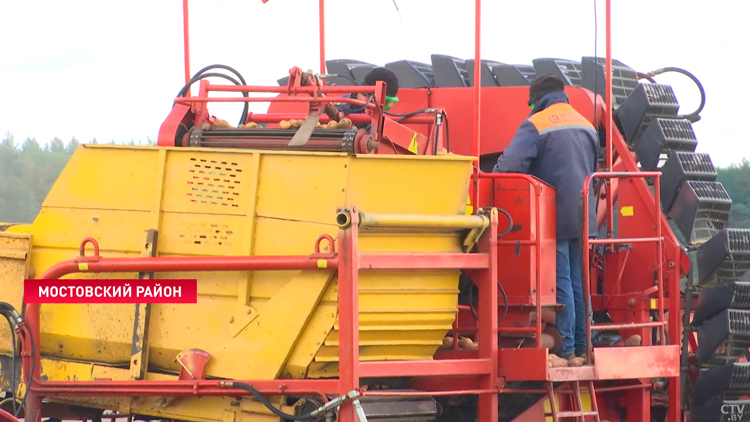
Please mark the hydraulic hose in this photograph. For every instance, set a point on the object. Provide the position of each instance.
(694, 116)
(270, 406)
(500, 286)
(200, 75)
(352, 395)
(15, 320)
(645, 76)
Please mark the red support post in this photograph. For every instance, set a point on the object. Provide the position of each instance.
(477, 94)
(348, 280)
(186, 34)
(322, 24)
(487, 336)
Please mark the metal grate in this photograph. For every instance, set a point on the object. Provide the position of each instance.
(737, 263)
(527, 71)
(681, 167)
(449, 71)
(678, 134)
(213, 182)
(646, 103)
(412, 74)
(740, 377)
(350, 72)
(661, 137)
(701, 210)
(513, 75)
(567, 70)
(713, 300)
(696, 166)
(724, 338)
(624, 78)
(722, 382)
(487, 77)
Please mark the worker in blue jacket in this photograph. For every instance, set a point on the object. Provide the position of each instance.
(375, 75)
(561, 147)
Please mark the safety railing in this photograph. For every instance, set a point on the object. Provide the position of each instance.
(344, 258)
(534, 242)
(587, 242)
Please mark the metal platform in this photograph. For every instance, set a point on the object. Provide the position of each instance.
(610, 363)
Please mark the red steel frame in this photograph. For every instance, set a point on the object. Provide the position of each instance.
(348, 261)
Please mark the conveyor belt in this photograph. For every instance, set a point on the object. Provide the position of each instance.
(331, 140)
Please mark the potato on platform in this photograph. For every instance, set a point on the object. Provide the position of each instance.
(285, 124)
(447, 343)
(556, 361)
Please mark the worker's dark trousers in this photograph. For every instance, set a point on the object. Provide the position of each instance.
(571, 320)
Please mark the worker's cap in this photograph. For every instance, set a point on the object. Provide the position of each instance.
(385, 75)
(543, 85)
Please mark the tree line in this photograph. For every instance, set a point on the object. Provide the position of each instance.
(28, 171)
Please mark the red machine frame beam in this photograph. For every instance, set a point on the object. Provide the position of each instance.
(355, 118)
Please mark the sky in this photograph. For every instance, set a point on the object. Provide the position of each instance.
(110, 70)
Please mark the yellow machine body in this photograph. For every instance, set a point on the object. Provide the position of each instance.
(255, 325)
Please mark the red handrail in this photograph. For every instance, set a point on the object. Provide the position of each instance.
(658, 239)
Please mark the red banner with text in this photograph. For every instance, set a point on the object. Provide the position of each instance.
(110, 291)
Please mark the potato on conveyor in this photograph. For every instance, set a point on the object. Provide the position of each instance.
(285, 124)
(345, 123)
(250, 124)
(333, 124)
(222, 123)
(296, 123)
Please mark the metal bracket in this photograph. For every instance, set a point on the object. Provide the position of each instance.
(139, 347)
(473, 236)
(240, 317)
(193, 364)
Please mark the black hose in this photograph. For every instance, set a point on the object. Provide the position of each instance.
(14, 318)
(403, 116)
(270, 406)
(216, 66)
(694, 116)
(31, 374)
(184, 89)
(500, 286)
(409, 114)
(183, 92)
(13, 362)
(199, 75)
(645, 76)
(447, 132)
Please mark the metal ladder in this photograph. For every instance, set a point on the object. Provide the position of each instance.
(579, 414)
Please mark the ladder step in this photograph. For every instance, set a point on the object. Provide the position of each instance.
(574, 414)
